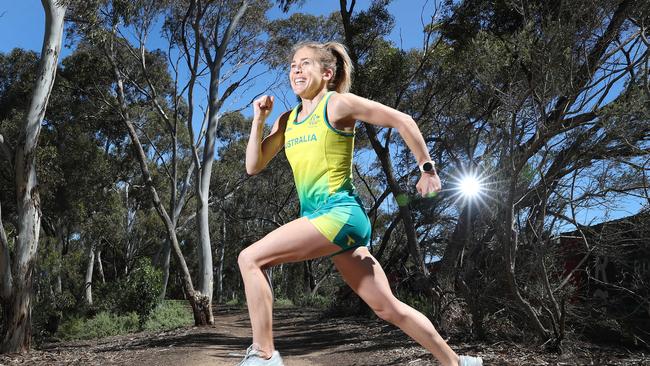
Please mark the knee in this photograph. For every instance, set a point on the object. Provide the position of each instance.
(390, 311)
(246, 260)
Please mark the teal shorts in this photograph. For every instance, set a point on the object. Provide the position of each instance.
(342, 220)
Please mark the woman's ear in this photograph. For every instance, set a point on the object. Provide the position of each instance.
(328, 74)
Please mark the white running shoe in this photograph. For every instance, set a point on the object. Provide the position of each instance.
(470, 361)
(253, 357)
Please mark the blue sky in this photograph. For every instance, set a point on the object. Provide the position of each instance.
(22, 24)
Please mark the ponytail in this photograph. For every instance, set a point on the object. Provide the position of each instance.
(333, 56)
(342, 80)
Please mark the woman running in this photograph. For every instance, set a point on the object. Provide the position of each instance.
(318, 138)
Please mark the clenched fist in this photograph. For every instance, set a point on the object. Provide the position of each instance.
(262, 107)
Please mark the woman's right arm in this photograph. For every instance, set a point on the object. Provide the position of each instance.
(260, 152)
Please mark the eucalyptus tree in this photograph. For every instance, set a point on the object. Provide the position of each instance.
(394, 77)
(15, 291)
(220, 40)
(249, 207)
(224, 40)
(554, 100)
(75, 169)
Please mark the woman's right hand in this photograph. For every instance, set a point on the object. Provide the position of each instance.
(262, 107)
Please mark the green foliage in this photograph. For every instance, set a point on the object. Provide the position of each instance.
(314, 301)
(285, 33)
(104, 324)
(235, 302)
(51, 303)
(283, 303)
(137, 293)
(170, 314)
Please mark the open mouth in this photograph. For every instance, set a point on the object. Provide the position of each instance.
(299, 81)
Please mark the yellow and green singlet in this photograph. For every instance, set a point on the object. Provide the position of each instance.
(321, 161)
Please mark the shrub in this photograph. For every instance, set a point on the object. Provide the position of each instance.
(137, 293)
(104, 324)
(283, 303)
(236, 301)
(314, 301)
(170, 314)
(140, 293)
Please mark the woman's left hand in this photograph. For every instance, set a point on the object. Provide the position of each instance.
(429, 184)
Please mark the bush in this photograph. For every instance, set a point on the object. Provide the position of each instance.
(104, 324)
(283, 303)
(235, 302)
(314, 301)
(170, 314)
(141, 291)
(137, 293)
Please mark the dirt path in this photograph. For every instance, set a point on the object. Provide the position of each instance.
(304, 338)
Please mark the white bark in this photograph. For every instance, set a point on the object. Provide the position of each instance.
(17, 308)
(166, 254)
(129, 225)
(89, 275)
(221, 249)
(60, 245)
(100, 266)
(199, 302)
(203, 186)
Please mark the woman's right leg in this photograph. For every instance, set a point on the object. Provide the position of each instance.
(362, 272)
(296, 241)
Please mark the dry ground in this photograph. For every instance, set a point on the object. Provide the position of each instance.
(303, 337)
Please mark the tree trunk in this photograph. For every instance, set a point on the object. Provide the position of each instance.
(59, 246)
(221, 249)
(16, 330)
(5, 265)
(199, 302)
(205, 173)
(129, 224)
(383, 153)
(166, 253)
(404, 209)
(89, 275)
(100, 266)
(451, 260)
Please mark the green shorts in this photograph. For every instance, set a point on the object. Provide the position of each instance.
(343, 221)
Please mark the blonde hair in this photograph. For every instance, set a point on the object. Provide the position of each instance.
(334, 56)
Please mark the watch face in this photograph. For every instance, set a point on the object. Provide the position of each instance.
(427, 167)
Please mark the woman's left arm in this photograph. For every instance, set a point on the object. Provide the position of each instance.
(350, 107)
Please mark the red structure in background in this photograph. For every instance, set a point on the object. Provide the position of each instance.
(610, 262)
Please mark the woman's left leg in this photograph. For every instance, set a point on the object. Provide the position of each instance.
(362, 272)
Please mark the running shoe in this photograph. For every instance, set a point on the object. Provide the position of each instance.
(470, 361)
(253, 357)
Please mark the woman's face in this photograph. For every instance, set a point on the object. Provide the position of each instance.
(307, 75)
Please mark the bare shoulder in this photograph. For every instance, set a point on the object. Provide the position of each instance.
(342, 106)
(349, 107)
(344, 100)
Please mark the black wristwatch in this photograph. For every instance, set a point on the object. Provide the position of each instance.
(428, 166)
